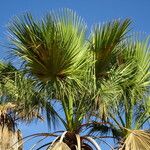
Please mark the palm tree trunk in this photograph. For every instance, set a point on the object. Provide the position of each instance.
(10, 139)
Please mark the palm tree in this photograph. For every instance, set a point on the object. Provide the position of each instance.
(68, 69)
(57, 55)
(123, 97)
(17, 105)
(8, 132)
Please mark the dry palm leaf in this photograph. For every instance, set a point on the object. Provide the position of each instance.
(5, 117)
(5, 107)
(8, 135)
(9, 139)
(60, 146)
(137, 140)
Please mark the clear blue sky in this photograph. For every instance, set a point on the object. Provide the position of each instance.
(93, 11)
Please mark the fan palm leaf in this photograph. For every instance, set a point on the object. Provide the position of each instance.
(137, 140)
(53, 49)
(106, 41)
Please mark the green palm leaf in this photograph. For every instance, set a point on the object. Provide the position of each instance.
(27, 103)
(53, 49)
(105, 42)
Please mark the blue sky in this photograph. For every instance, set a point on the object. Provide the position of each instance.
(93, 11)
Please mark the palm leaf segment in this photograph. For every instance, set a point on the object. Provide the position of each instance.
(106, 44)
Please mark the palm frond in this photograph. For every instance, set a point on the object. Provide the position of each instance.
(136, 89)
(138, 52)
(106, 40)
(123, 94)
(110, 90)
(137, 140)
(9, 138)
(53, 49)
(55, 54)
(60, 146)
(20, 100)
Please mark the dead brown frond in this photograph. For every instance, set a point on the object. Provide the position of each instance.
(5, 116)
(8, 138)
(137, 140)
(60, 146)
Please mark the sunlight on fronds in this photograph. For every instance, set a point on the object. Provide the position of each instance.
(139, 53)
(54, 53)
(110, 90)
